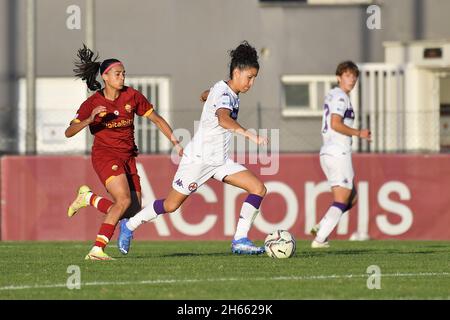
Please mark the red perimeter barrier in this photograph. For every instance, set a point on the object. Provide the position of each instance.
(400, 197)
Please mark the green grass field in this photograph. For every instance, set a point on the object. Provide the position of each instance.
(208, 270)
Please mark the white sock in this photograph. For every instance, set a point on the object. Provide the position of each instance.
(147, 214)
(321, 222)
(328, 223)
(88, 196)
(246, 217)
(323, 219)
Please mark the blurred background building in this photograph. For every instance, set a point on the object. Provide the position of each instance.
(175, 49)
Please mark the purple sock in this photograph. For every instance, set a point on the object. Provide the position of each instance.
(341, 206)
(158, 206)
(254, 200)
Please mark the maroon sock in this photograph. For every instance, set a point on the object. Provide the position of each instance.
(104, 235)
(102, 204)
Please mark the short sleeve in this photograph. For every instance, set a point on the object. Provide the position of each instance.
(83, 112)
(338, 106)
(224, 101)
(143, 106)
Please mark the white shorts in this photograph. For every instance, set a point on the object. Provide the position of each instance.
(338, 169)
(191, 175)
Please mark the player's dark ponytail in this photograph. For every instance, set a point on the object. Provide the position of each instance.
(87, 68)
(244, 56)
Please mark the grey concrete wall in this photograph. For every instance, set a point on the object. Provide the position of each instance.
(188, 40)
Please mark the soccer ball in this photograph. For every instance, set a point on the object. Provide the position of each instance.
(280, 244)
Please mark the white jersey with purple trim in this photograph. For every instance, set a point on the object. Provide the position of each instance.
(211, 142)
(338, 102)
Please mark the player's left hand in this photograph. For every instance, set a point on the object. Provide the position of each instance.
(365, 134)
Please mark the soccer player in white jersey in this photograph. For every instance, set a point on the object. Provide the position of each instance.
(336, 151)
(206, 156)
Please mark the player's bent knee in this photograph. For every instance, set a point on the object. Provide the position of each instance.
(171, 207)
(260, 190)
(123, 203)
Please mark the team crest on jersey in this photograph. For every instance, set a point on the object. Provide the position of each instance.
(193, 187)
(128, 108)
(349, 114)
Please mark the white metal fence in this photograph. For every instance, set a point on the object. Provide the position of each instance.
(380, 105)
(398, 103)
(57, 100)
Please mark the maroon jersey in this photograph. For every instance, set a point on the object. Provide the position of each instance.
(114, 130)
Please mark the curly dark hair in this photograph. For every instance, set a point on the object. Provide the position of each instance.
(87, 68)
(244, 56)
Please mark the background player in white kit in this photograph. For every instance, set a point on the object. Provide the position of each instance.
(336, 151)
(206, 156)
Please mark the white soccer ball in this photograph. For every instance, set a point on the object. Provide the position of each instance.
(280, 244)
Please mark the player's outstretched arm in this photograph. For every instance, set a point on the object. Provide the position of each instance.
(165, 128)
(226, 122)
(77, 126)
(338, 126)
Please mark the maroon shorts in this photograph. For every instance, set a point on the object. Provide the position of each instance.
(108, 165)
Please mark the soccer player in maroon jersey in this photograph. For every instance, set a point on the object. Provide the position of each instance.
(109, 113)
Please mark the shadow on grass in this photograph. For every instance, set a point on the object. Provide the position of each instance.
(196, 254)
(325, 252)
(331, 252)
(185, 254)
(445, 246)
